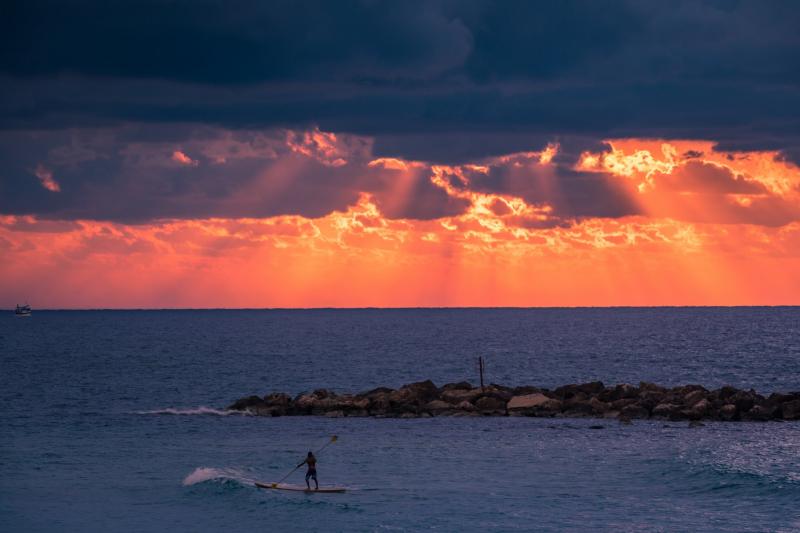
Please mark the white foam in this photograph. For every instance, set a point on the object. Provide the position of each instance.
(203, 473)
(202, 410)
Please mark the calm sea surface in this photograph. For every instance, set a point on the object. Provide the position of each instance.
(88, 441)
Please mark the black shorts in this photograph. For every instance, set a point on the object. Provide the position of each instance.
(311, 474)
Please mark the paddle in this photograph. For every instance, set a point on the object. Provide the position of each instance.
(333, 439)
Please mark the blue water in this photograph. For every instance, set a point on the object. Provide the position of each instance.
(87, 444)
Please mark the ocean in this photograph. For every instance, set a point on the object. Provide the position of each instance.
(115, 421)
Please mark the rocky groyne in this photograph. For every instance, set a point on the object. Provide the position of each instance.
(588, 400)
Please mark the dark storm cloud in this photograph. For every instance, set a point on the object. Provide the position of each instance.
(422, 201)
(186, 173)
(406, 67)
(571, 194)
(136, 182)
(441, 81)
(213, 41)
(706, 178)
(457, 147)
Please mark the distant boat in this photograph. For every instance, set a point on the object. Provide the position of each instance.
(23, 310)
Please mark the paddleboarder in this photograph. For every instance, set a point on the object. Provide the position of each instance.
(311, 461)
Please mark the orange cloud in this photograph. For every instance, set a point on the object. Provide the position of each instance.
(713, 229)
(183, 159)
(689, 180)
(327, 148)
(46, 179)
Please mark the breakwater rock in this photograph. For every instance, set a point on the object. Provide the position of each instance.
(592, 400)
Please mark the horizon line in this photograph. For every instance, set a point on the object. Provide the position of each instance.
(412, 308)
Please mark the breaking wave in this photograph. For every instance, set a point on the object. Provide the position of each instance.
(203, 474)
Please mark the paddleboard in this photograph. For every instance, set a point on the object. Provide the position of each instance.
(295, 488)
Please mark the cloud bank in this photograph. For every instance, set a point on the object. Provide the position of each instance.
(440, 81)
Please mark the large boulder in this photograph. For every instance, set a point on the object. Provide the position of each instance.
(351, 405)
(422, 391)
(702, 408)
(728, 412)
(651, 387)
(317, 402)
(437, 407)
(691, 398)
(665, 410)
(280, 399)
(490, 404)
(778, 399)
(499, 392)
(634, 411)
(578, 408)
(622, 403)
(686, 389)
(379, 404)
(465, 406)
(761, 413)
(593, 387)
(536, 404)
(360, 403)
(599, 408)
(320, 406)
(277, 404)
(743, 400)
(457, 396)
(650, 398)
(412, 397)
(320, 402)
(247, 403)
(303, 403)
(791, 410)
(528, 401)
(678, 395)
(727, 392)
(551, 408)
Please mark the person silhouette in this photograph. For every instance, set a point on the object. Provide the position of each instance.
(311, 461)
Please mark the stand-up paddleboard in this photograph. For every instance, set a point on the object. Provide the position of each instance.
(295, 488)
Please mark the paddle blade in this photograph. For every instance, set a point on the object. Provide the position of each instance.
(333, 439)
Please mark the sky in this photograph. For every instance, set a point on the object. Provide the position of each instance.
(211, 154)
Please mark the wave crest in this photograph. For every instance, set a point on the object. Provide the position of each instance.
(204, 473)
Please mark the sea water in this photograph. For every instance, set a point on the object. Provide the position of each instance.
(115, 421)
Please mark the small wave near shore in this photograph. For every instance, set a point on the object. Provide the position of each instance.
(202, 410)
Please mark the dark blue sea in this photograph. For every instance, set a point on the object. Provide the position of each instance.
(115, 421)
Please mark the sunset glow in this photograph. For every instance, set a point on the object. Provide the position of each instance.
(712, 228)
(399, 154)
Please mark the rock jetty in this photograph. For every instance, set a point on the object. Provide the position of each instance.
(587, 400)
